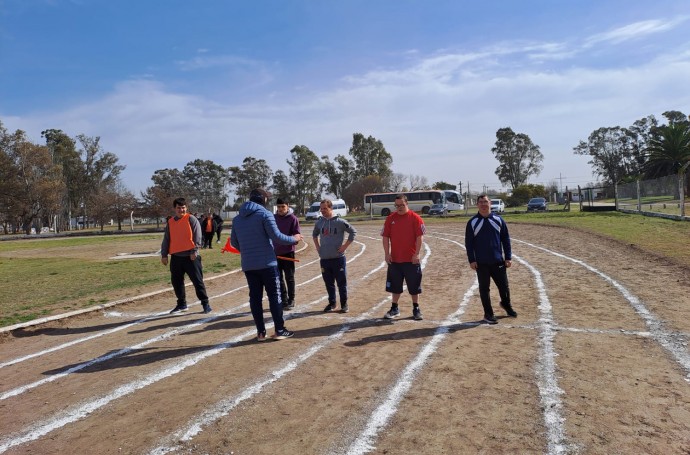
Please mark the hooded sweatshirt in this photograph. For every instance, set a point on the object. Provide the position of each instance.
(253, 232)
(288, 224)
(331, 233)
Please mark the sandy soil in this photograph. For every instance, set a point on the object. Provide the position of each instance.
(597, 362)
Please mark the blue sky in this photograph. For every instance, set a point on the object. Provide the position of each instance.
(168, 81)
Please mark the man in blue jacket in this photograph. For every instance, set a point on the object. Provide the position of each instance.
(488, 250)
(253, 232)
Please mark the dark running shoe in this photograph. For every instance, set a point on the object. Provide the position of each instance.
(330, 307)
(282, 334)
(207, 308)
(344, 308)
(178, 309)
(394, 312)
(417, 314)
(509, 309)
(489, 319)
(261, 336)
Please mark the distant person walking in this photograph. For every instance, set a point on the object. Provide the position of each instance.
(489, 253)
(253, 232)
(288, 224)
(208, 226)
(328, 235)
(219, 225)
(403, 236)
(182, 240)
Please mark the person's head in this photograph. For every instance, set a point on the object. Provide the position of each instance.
(327, 208)
(180, 206)
(484, 204)
(282, 207)
(259, 195)
(401, 204)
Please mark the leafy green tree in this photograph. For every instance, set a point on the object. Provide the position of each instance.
(676, 117)
(282, 188)
(206, 181)
(523, 193)
(443, 186)
(338, 174)
(63, 152)
(99, 169)
(254, 173)
(670, 153)
(611, 152)
(37, 182)
(305, 173)
(370, 157)
(157, 202)
(518, 157)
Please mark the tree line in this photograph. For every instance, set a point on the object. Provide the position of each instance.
(51, 184)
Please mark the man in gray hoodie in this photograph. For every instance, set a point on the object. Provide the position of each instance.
(329, 233)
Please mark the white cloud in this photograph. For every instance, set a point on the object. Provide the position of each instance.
(635, 30)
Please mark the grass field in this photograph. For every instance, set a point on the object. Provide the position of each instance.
(48, 276)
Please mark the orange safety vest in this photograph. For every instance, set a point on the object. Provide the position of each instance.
(181, 235)
(209, 225)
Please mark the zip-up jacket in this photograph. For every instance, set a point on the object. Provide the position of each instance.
(331, 233)
(253, 232)
(182, 236)
(487, 240)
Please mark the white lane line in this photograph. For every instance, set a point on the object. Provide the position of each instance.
(380, 417)
(674, 343)
(221, 409)
(76, 413)
(547, 383)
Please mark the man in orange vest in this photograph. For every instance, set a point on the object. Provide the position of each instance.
(182, 240)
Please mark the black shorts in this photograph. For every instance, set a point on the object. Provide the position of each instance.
(407, 271)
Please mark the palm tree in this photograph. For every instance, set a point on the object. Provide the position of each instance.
(670, 152)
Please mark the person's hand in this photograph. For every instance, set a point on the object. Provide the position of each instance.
(193, 256)
(387, 258)
(415, 258)
(473, 265)
(164, 260)
(298, 237)
(508, 263)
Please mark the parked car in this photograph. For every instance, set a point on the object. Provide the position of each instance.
(497, 205)
(438, 209)
(314, 212)
(537, 204)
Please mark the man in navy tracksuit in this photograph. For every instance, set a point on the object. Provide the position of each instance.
(489, 253)
(253, 232)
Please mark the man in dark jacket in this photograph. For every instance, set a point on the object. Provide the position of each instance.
(288, 224)
(489, 253)
(253, 232)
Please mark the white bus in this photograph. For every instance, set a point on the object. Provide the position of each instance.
(454, 200)
(420, 201)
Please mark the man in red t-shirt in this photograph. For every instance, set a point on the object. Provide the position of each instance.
(403, 235)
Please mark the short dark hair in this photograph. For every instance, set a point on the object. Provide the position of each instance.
(179, 201)
(483, 195)
(328, 203)
(401, 196)
(281, 201)
(259, 195)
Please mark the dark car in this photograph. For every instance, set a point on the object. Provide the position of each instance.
(438, 209)
(536, 204)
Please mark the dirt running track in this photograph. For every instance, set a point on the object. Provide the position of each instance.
(597, 362)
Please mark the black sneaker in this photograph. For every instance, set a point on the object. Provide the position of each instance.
(178, 309)
(417, 314)
(282, 334)
(330, 307)
(509, 309)
(207, 308)
(344, 308)
(394, 312)
(261, 336)
(489, 319)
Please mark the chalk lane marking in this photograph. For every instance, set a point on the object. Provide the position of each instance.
(60, 419)
(675, 344)
(169, 334)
